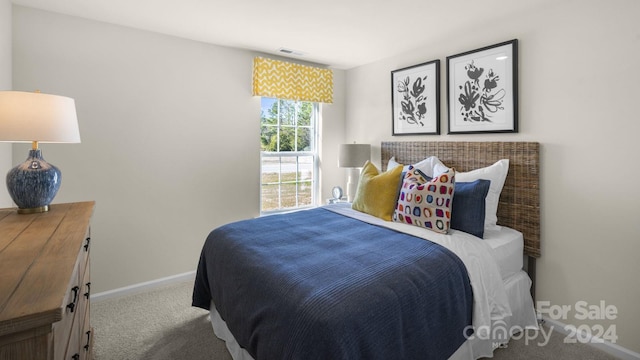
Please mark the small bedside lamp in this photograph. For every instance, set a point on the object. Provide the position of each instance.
(353, 156)
(36, 117)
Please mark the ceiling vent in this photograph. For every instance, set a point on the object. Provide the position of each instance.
(290, 52)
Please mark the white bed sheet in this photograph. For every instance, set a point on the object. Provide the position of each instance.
(524, 317)
(507, 248)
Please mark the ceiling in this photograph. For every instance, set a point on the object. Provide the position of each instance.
(341, 34)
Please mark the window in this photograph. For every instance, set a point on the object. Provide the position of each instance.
(288, 154)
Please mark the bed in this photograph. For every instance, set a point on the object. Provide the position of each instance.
(333, 282)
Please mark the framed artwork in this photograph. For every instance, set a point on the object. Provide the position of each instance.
(415, 99)
(482, 90)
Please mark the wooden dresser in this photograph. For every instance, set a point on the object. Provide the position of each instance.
(45, 284)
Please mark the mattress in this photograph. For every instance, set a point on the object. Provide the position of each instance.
(507, 246)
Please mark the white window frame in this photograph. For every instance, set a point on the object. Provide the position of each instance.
(314, 122)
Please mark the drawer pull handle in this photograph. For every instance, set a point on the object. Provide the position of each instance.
(86, 347)
(86, 245)
(88, 293)
(76, 357)
(72, 305)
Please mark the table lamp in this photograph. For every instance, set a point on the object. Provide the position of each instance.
(35, 117)
(353, 156)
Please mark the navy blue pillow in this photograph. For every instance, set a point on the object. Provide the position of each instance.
(468, 208)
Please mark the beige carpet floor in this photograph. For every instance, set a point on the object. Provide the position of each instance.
(161, 325)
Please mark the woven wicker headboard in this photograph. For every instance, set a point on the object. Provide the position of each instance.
(519, 206)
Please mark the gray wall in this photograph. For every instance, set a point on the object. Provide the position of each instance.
(578, 93)
(170, 138)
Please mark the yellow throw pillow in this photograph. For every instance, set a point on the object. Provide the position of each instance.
(377, 192)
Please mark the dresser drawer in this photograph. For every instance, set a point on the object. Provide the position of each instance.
(86, 338)
(83, 257)
(63, 328)
(82, 316)
(68, 332)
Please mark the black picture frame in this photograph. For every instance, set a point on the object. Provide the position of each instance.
(482, 90)
(415, 99)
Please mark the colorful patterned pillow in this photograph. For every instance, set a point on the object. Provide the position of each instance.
(426, 203)
(377, 192)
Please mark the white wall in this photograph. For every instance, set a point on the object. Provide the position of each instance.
(578, 97)
(169, 129)
(5, 84)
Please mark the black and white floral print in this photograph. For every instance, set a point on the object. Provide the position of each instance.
(413, 106)
(479, 102)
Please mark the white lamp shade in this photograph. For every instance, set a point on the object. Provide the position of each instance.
(353, 155)
(31, 116)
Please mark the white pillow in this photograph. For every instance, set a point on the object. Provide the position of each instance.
(431, 166)
(393, 163)
(496, 173)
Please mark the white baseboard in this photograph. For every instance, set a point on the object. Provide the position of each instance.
(592, 340)
(142, 287)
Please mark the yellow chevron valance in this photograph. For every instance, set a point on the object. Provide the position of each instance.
(284, 80)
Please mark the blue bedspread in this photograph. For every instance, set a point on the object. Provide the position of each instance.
(319, 285)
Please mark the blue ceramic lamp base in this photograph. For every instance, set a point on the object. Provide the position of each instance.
(33, 184)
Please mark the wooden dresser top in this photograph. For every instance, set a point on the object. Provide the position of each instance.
(37, 259)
